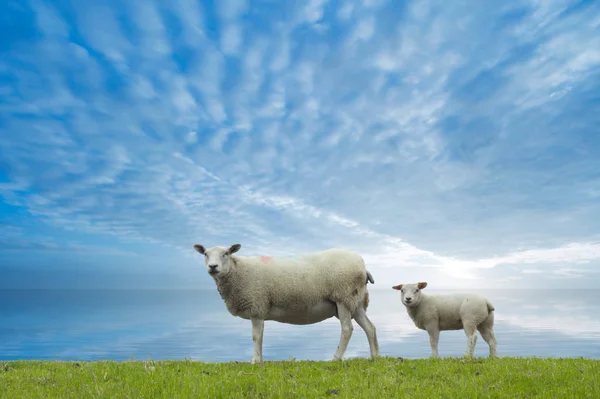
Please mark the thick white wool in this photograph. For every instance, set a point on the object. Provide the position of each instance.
(435, 313)
(304, 289)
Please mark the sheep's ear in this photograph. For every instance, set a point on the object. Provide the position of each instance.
(397, 287)
(199, 248)
(234, 248)
(422, 285)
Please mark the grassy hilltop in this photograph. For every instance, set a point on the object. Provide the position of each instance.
(356, 378)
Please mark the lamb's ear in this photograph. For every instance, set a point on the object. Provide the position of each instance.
(234, 248)
(422, 285)
(397, 287)
(199, 248)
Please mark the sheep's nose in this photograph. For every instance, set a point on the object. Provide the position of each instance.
(408, 299)
(212, 267)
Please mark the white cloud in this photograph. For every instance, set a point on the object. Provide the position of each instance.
(426, 148)
(101, 31)
(232, 9)
(314, 10)
(231, 39)
(532, 271)
(154, 38)
(571, 273)
(192, 137)
(364, 29)
(281, 55)
(571, 253)
(50, 23)
(191, 13)
(374, 3)
(345, 11)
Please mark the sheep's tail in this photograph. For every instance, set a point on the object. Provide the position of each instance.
(369, 278)
(489, 306)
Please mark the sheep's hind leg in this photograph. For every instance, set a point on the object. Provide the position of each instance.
(471, 333)
(486, 329)
(363, 321)
(345, 317)
(258, 328)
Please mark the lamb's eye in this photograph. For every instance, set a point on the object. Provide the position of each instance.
(416, 291)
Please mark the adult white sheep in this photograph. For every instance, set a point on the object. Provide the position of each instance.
(305, 289)
(435, 313)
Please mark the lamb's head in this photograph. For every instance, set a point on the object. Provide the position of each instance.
(410, 293)
(217, 259)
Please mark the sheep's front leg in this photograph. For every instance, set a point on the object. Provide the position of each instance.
(346, 322)
(258, 328)
(434, 337)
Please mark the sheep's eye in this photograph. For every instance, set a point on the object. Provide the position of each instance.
(416, 291)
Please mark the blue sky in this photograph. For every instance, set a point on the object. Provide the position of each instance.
(452, 142)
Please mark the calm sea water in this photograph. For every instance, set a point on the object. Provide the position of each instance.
(121, 325)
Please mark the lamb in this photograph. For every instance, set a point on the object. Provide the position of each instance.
(298, 290)
(435, 313)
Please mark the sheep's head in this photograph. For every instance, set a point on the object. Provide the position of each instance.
(410, 293)
(217, 259)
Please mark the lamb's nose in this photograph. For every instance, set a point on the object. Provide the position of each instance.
(408, 299)
(212, 267)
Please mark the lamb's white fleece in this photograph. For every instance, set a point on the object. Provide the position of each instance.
(435, 313)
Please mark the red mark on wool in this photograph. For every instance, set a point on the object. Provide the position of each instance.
(266, 259)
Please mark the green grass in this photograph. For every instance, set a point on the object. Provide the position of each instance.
(356, 378)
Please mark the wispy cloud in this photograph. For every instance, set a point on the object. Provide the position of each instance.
(429, 136)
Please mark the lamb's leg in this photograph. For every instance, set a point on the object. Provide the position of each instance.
(346, 322)
(434, 337)
(486, 329)
(363, 321)
(258, 327)
(471, 333)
